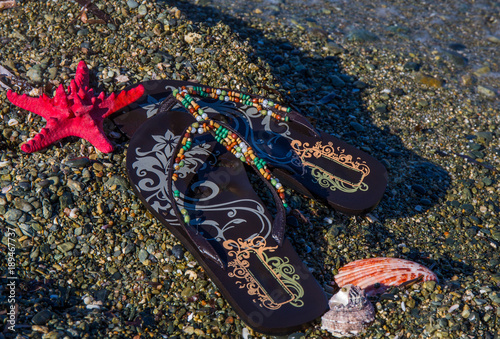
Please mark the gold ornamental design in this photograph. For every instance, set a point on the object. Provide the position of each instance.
(344, 173)
(272, 280)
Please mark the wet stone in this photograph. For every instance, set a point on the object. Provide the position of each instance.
(357, 126)
(495, 297)
(23, 205)
(419, 188)
(334, 48)
(425, 202)
(456, 58)
(337, 81)
(381, 108)
(485, 137)
(361, 35)
(429, 285)
(129, 248)
(143, 255)
(65, 200)
(121, 183)
(65, 247)
(142, 10)
(75, 185)
(411, 66)
(77, 162)
(132, 4)
(45, 248)
(286, 46)
(429, 81)
(13, 215)
(486, 91)
(35, 73)
(41, 317)
(178, 252)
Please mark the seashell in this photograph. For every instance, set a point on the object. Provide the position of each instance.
(6, 189)
(4, 163)
(376, 275)
(192, 274)
(350, 312)
(12, 122)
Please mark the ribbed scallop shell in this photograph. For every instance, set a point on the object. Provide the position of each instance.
(376, 275)
(350, 312)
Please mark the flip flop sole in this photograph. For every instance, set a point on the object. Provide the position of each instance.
(266, 284)
(322, 166)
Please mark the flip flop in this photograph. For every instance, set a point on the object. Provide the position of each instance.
(303, 158)
(201, 193)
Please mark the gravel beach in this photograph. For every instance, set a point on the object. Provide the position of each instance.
(416, 85)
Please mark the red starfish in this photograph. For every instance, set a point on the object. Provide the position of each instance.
(77, 113)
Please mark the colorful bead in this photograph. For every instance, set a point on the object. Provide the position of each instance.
(231, 141)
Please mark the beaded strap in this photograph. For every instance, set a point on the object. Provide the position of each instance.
(233, 143)
(263, 105)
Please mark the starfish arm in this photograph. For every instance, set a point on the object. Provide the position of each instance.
(115, 102)
(56, 129)
(98, 139)
(51, 133)
(41, 106)
(82, 75)
(61, 98)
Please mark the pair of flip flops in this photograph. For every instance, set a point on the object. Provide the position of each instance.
(189, 156)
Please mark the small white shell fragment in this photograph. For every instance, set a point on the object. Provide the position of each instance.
(4, 163)
(6, 189)
(403, 306)
(245, 333)
(192, 274)
(453, 308)
(350, 312)
(12, 122)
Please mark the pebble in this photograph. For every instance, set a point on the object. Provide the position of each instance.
(41, 317)
(336, 81)
(334, 48)
(118, 182)
(142, 10)
(411, 66)
(77, 162)
(456, 58)
(13, 215)
(486, 91)
(132, 4)
(429, 81)
(361, 35)
(23, 205)
(493, 39)
(75, 185)
(35, 74)
(357, 126)
(178, 252)
(143, 255)
(65, 247)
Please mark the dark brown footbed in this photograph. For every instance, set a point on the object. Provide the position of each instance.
(235, 204)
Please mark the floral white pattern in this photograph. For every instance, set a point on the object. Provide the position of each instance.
(151, 167)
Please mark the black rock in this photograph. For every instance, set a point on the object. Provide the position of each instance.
(178, 252)
(411, 66)
(286, 46)
(41, 317)
(418, 188)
